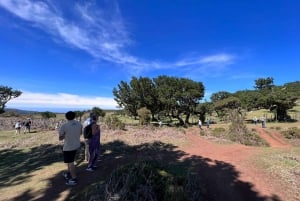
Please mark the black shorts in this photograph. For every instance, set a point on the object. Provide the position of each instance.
(69, 156)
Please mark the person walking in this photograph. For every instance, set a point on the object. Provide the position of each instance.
(27, 126)
(200, 124)
(94, 144)
(255, 120)
(86, 140)
(207, 123)
(70, 132)
(18, 127)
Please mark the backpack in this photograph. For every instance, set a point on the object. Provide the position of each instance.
(87, 131)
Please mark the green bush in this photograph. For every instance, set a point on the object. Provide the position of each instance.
(113, 122)
(292, 133)
(149, 180)
(219, 132)
(144, 115)
(238, 131)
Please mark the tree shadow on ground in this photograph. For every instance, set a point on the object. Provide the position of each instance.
(17, 165)
(220, 178)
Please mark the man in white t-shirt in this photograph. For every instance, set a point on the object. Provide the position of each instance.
(70, 132)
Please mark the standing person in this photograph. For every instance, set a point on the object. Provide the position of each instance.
(86, 141)
(200, 124)
(27, 126)
(207, 123)
(18, 127)
(70, 132)
(255, 120)
(94, 144)
(263, 122)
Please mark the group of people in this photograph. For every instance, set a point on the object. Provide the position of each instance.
(200, 123)
(70, 132)
(26, 124)
(262, 119)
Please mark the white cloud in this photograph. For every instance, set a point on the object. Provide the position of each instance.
(211, 59)
(60, 100)
(101, 32)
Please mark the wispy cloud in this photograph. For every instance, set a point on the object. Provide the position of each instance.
(60, 100)
(99, 31)
(211, 59)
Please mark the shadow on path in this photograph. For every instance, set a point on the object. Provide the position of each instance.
(220, 178)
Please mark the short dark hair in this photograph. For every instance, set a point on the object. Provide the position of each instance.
(70, 115)
(93, 116)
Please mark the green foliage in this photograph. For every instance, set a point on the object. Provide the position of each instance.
(144, 115)
(146, 94)
(126, 98)
(293, 88)
(98, 111)
(6, 94)
(217, 132)
(149, 180)
(249, 99)
(292, 133)
(79, 114)
(48, 115)
(277, 99)
(113, 122)
(238, 131)
(204, 108)
(264, 83)
(219, 96)
(171, 95)
(222, 106)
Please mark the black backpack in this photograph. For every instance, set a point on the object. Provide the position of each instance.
(87, 131)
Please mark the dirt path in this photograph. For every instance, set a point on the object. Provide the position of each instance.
(273, 138)
(227, 170)
(252, 184)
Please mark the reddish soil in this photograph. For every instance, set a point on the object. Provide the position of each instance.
(250, 183)
(227, 170)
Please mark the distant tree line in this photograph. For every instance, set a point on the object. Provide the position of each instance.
(181, 97)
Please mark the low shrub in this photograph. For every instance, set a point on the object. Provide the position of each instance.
(113, 122)
(292, 133)
(149, 180)
(219, 132)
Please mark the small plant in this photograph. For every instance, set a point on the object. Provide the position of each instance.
(144, 115)
(219, 131)
(292, 133)
(148, 180)
(113, 122)
(238, 131)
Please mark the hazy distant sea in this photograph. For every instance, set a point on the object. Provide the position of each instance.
(54, 110)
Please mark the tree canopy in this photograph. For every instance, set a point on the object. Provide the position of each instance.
(171, 95)
(6, 94)
(180, 97)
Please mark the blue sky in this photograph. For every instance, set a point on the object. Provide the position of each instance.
(67, 55)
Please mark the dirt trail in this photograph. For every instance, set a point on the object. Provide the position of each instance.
(228, 170)
(272, 137)
(241, 158)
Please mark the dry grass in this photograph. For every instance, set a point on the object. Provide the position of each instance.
(136, 135)
(283, 164)
(28, 162)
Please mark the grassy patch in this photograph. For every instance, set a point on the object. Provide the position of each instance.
(147, 180)
(283, 164)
